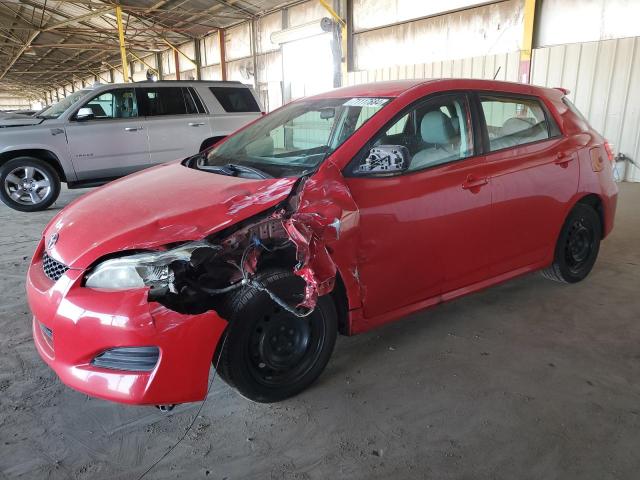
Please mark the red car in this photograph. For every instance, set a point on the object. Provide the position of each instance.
(336, 213)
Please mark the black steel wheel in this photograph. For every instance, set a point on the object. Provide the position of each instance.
(271, 354)
(577, 247)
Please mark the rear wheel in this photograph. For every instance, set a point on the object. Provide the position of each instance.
(28, 184)
(577, 247)
(271, 354)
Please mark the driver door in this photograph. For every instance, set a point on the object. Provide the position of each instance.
(111, 143)
(423, 231)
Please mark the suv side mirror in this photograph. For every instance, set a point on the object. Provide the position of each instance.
(85, 113)
(385, 159)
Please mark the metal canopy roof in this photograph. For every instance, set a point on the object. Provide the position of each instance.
(47, 43)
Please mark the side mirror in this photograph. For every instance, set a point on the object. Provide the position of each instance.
(85, 113)
(385, 159)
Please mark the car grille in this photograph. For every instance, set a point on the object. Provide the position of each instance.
(137, 359)
(53, 269)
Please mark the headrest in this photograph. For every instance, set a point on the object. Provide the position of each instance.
(515, 125)
(436, 128)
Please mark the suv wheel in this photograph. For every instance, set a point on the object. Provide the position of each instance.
(28, 184)
(577, 247)
(270, 354)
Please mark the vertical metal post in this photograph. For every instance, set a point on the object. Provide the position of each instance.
(524, 72)
(254, 52)
(123, 51)
(176, 60)
(159, 68)
(198, 59)
(342, 25)
(223, 56)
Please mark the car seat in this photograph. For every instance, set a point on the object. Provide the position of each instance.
(436, 131)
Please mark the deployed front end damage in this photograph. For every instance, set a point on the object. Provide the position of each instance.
(292, 235)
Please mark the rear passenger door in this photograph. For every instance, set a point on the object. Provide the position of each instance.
(533, 173)
(175, 122)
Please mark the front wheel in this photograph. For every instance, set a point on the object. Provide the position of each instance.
(577, 247)
(269, 353)
(28, 184)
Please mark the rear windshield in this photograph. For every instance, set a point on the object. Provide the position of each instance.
(574, 109)
(234, 99)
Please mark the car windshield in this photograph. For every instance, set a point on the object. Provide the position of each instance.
(294, 139)
(57, 109)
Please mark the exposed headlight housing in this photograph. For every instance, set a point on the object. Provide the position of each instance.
(149, 269)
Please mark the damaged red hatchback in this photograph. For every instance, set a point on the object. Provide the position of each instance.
(335, 213)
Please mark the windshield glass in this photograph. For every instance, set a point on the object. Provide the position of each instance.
(57, 109)
(295, 139)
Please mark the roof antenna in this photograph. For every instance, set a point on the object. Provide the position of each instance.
(497, 72)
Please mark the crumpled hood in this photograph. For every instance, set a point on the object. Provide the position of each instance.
(166, 204)
(16, 120)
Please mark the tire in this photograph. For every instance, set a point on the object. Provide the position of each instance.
(250, 360)
(577, 247)
(28, 184)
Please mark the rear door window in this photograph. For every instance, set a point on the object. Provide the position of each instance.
(513, 121)
(235, 99)
(158, 101)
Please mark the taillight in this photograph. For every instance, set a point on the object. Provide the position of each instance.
(609, 151)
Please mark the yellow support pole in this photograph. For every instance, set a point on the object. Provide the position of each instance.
(527, 40)
(123, 51)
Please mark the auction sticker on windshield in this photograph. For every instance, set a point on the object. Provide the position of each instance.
(366, 102)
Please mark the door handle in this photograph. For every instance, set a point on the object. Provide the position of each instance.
(196, 124)
(474, 182)
(132, 129)
(562, 159)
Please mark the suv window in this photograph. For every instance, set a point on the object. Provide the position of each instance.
(156, 101)
(235, 99)
(513, 121)
(119, 103)
(434, 132)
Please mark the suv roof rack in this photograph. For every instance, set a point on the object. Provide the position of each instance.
(190, 81)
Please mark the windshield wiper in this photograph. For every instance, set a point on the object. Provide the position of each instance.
(244, 169)
(233, 170)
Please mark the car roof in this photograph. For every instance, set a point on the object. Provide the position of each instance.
(395, 88)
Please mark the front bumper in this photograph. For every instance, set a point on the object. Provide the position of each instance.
(84, 323)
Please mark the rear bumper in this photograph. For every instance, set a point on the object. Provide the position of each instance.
(86, 322)
(610, 203)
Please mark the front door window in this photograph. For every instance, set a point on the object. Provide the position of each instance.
(119, 103)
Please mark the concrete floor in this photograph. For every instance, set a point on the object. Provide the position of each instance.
(530, 379)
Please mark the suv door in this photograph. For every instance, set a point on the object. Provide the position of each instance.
(175, 121)
(533, 171)
(112, 143)
(423, 232)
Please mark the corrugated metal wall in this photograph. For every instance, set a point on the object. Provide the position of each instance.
(604, 79)
(503, 66)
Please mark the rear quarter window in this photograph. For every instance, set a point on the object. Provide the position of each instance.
(234, 99)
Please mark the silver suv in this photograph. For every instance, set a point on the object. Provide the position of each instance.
(104, 132)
